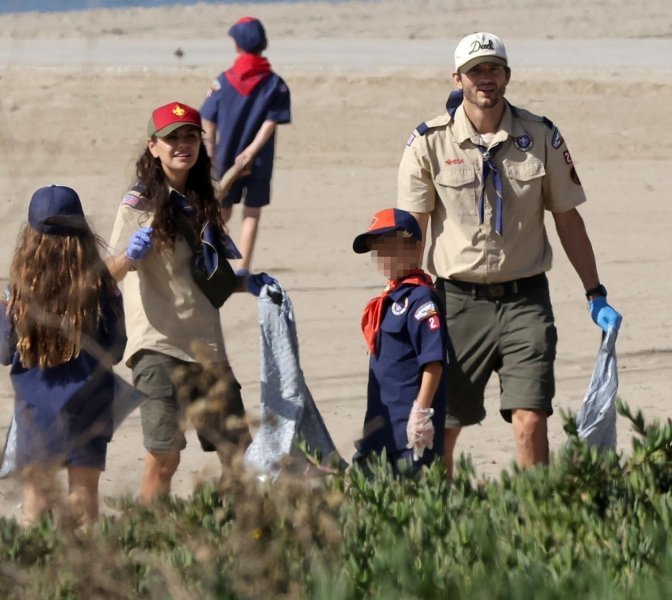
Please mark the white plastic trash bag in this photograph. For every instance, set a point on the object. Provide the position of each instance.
(288, 411)
(596, 420)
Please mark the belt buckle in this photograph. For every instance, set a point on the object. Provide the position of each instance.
(496, 290)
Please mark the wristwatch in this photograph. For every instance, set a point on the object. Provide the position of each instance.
(600, 290)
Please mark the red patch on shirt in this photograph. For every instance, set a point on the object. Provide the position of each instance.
(434, 322)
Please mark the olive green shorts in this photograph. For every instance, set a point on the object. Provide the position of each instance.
(514, 336)
(180, 393)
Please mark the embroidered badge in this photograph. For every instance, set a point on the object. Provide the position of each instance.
(568, 157)
(434, 322)
(399, 309)
(556, 138)
(425, 311)
(410, 139)
(455, 161)
(131, 199)
(574, 176)
(524, 142)
(178, 111)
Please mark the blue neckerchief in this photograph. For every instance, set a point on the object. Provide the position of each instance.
(489, 166)
(454, 100)
(209, 238)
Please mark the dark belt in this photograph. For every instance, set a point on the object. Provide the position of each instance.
(493, 291)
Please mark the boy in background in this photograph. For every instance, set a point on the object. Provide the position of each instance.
(405, 332)
(240, 114)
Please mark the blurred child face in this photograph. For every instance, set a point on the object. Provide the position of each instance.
(177, 151)
(394, 254)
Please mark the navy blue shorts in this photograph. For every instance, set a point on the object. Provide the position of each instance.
(254, 192)
(59, 438)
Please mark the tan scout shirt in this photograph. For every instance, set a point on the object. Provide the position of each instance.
(165, 310)
(441, 174)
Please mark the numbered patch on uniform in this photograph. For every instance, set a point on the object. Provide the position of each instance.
(434, 322)
(427, 310)
(524, 142)
(410, 139)
(568, 157)
(399, 308)
(556, 138)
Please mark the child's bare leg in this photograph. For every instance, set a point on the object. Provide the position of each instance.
(159, 470)
(39, 493)
(83, 493)
(248, 234)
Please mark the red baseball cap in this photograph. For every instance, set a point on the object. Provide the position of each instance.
(169, 117)
(384, 221)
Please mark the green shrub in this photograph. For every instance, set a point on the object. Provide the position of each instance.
(590, 525)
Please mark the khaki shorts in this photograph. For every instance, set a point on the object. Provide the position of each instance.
(172, 386)
(513, 335)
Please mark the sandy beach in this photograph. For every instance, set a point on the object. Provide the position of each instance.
(75, 94)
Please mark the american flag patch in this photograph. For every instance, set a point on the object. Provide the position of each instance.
(131, 199)
(410, 139)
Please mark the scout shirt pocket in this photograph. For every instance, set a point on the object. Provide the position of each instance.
(458, 189)
(525, 179)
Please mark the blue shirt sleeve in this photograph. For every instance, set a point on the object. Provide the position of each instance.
(426, 326)
(112, 328)
(7, 336)
(208, 109)
(279, 109)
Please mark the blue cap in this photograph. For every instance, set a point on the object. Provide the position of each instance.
(56, 209)
(249, 34)
(384, 221)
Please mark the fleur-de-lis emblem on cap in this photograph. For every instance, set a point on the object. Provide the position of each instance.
(178, 111)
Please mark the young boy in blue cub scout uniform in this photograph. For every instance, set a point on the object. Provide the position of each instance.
(405, 331)
(240, 114)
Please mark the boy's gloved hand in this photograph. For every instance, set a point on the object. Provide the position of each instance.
(603, 314)
(140, 243)
(420, 430)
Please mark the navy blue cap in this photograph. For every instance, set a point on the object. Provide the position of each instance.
(384, 221)
(249, 34)
(56, 209)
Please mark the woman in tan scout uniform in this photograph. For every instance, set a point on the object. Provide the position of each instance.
(166, 312)
(485, 172)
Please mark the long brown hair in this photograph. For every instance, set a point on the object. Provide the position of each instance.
(56, 282)
(200, 195)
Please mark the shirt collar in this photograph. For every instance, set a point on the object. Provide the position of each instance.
(464, 130)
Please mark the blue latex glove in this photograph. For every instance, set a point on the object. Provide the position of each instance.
(603, 314)
(255, 282)
(141, 242)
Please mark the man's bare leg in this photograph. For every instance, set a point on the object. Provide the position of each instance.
(531, 435)
(449, 440)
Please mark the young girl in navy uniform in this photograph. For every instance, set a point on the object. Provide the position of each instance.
(62, 328)
(405, 332)
(244, 105)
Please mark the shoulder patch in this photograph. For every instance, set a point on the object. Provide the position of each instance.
(556, 138)
(547, 122)
(425, 311)
(131, 198)
(134, 195)
(422, 129)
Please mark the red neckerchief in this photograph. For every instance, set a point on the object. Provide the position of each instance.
(247, 72)
(373, 313)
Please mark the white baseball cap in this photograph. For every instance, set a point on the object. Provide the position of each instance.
(478, 48)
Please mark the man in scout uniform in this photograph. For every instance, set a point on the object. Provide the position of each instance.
(486, 172)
